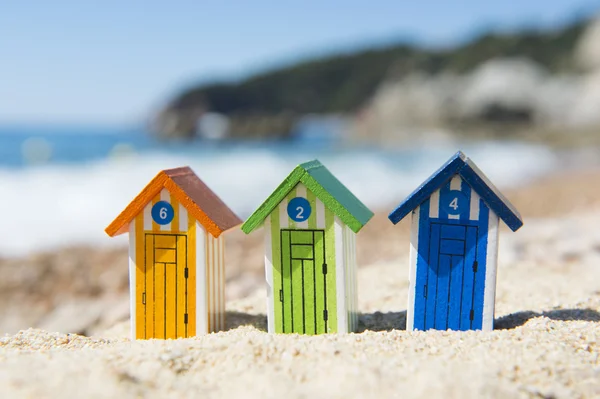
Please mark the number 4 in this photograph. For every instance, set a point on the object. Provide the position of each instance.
(454, 204)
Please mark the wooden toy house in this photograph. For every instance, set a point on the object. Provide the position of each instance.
(310, 258)
(176, 256)
(454, 245)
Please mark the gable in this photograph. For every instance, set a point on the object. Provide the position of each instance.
(314, 218)
(460, 165)
(179, 219)
(334, 195)
(455, 201)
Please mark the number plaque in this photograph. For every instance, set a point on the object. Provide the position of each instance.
(299, 209)
(162, 213)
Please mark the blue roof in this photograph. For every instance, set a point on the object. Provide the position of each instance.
(466, 168)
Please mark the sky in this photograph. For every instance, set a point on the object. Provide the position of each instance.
(117, 61)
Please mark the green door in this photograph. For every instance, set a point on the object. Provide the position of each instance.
(303, 279)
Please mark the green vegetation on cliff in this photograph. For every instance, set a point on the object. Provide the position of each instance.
(342, 83)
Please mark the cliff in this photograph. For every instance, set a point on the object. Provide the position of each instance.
(270, 104)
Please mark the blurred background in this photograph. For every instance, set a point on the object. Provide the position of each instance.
(96, 99)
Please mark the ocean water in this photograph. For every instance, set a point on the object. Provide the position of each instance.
(63, 186)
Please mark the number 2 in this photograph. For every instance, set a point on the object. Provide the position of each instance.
(162, 213)
(454, 204)
(298, 209)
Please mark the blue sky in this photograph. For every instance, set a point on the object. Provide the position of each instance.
(117, 60)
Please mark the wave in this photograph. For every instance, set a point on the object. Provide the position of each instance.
(44, 207)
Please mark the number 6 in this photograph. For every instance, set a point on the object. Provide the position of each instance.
(163, 213)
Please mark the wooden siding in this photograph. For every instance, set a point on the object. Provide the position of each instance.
(489, 299)
(215, 283)
(351, 278)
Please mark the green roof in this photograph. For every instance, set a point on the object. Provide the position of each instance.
(325, 186)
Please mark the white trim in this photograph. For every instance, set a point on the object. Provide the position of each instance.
(346, 242)
(454, 217)
(355, 281)
(222, 266)
(412, 272)
(340, 277)
(269, 276)
(165, 196)
(214, 261)
(201, 291)
(148, 216)
(474, 206)
(301, 192)
(320, 214)
(491, 269)
(214, 308)
(183, 218)
(218, 286)
(434, 205)
(456, 183)
(132, 275)
(283, 216)
(353, 297)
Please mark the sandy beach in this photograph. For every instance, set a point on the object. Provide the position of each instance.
(209, 106)
(546, 342)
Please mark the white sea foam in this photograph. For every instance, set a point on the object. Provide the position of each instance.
(52, 206)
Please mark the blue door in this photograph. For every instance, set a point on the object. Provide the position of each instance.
(450, 275)
(450, 283)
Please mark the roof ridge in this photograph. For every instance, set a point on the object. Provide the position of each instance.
(179, 171)
(313, 164)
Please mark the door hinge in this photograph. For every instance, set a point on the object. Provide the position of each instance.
(143, 298)
(425, 291)
(472, 315)
(280, 295)
(325, 315)
(185, 318)
(475, 265)
(324, 268)
(186, 272)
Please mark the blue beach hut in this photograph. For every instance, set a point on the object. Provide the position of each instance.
(454, 246)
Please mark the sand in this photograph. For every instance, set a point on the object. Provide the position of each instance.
(546, 343)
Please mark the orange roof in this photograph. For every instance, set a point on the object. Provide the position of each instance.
(199, 200)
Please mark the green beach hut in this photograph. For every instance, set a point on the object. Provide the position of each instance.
(311, 221)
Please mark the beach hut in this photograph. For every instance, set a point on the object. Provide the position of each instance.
(454, 245)
(176, 256)
(310, 259)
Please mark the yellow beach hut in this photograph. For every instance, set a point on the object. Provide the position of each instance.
(176, 256)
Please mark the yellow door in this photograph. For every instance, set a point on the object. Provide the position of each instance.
(165, 288)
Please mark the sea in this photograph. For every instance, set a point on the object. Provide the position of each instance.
(61, 186)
